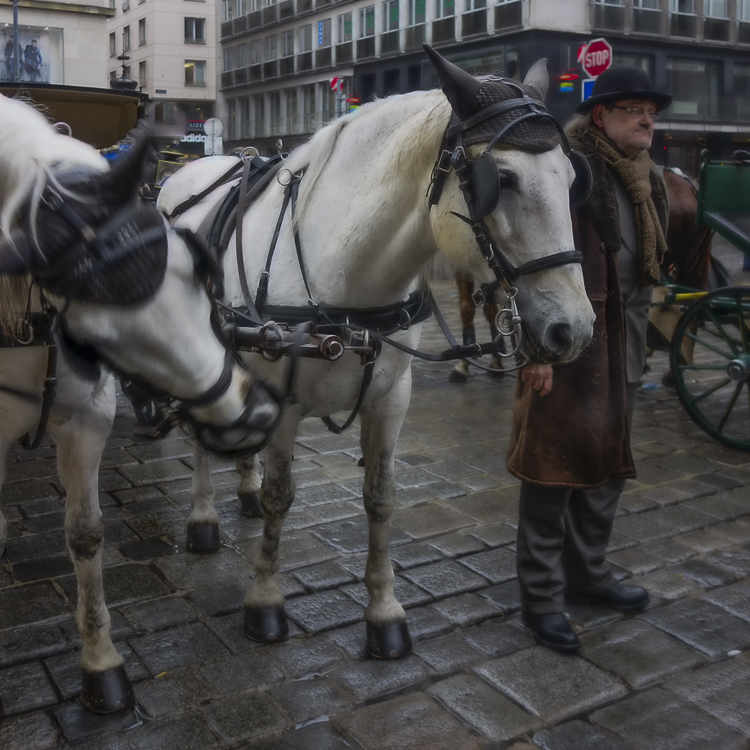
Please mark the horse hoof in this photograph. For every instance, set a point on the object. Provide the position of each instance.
(203, 537)
(250, 504)
(497, 368)
(457, 376)
(389, 640)
(266, 623)
(106, 692)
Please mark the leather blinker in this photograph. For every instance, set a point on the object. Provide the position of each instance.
(485, 183)
(580, 190)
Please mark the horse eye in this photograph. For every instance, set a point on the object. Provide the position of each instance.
(508, 180)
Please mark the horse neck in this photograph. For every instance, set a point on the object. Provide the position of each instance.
(366, 220)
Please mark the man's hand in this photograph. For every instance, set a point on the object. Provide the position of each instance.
(539, 377)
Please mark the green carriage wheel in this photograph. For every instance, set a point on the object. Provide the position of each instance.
(715, 387)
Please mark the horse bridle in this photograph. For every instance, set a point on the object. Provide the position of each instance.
(479, 182)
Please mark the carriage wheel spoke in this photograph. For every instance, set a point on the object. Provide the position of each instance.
(701, 367)
(723, 333)
(726, 355)
(730, 406)
(741, 323)
(710, 391)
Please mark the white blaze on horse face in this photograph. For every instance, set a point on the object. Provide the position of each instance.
(532, 221)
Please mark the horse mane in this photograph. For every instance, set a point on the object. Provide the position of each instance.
(423, 114)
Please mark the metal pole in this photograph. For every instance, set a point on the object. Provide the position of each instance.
(16, 43)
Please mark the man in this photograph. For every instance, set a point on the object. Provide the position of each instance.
(571, 423)
(32, 61)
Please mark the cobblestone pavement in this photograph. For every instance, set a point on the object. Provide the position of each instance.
(676, 676)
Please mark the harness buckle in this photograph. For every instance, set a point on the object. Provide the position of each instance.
(444, 161)
(407, 324)
(478, 297)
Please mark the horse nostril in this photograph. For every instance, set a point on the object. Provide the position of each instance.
(559, 337)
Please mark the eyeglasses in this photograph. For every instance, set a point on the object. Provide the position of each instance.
(637, 114)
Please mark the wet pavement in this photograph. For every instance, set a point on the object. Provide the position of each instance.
(676, 676)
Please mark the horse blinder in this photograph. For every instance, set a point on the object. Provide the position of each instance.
(580, 190)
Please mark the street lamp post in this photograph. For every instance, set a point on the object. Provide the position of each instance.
(16, 44)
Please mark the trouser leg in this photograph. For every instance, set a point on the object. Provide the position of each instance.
(589, 517)
(541, 534)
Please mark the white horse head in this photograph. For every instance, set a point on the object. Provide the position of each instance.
(529, 217)
(126, 288)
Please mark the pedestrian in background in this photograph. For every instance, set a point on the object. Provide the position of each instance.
(570, 444)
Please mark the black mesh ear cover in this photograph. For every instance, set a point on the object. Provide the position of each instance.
(580, 190)
(485, 183)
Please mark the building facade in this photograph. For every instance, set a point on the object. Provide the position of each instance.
(279, 57)
(171, 48)
(59, 42)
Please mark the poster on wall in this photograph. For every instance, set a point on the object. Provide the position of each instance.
(33, 52)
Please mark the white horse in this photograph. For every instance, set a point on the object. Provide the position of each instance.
(366, 232)
(60, 218)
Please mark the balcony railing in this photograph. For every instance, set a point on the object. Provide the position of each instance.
(681, 24)
(474, 22)
(227, 79)
(646, 21)
(321, 3)
(389, 42)
(323, 57)
(508, 16)
(255, 73)
(416, 36)
(254, 20)
(286, 9)
(304, 6)
(270, 69)
(304, 61)
(240, 76)
(239, 25)
(226, 29)
(716, 29)
(344, 53)
(365, 47)
(269, 14)
(443, 30)
(609, 17)
(744, 33)
(286, 66)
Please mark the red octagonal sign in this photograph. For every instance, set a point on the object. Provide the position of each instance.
(596, 57)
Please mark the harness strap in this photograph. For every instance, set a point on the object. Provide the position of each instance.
(48, 399)
(492, 111)
(180, 208)
(238, 241)
(366, 380)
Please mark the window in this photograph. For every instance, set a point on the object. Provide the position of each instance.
(259, 114)
(227, 8)
(141, 32)
(112, 45)
(112, 76)
(694, 85)
(256, 52)
(126, 39)
(416, 12)
(472, 5)
(305, 38)
(345, 28)
(270, 48)
(744, 11)
(366, 22)
(228, 59)
(324, 33)
(742, 90)
(195, 72)
(195, 30)
(142, 74)
(646, 4)
(646, 62)
(682, 6)
(240, 8)
(287, 43)
(445, 8)
(241, 57)
(390, 16)
(716, 8)
(164, 112)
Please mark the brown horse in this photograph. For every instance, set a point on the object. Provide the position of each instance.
(687, 262)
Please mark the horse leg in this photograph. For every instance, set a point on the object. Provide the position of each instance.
(465, 285)
(203, 521)
(265, 618)
(249, 491)
(80, 442)
(387, 632)
(490, 310)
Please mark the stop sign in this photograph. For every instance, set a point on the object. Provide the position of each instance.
(596, 57)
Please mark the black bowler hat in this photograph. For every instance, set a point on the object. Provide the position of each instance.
(623, 82)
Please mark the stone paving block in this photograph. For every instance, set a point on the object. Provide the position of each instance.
(38, 570)
(448, 654)
(407, 594)
(162, 696)
(29, 732)
(186, 732)
(230, 630)
(457, 544)
(413, 477)
(23, 645)
(507, 596)
(33, 547)
(686, 463)
(154, 472)
(43, 524)
(650, 473)
(496, 638)
(307, 657)
(642, 526)
(706, 540)
(244, 716)
(78, 724)
(487, 507)
(147, 549)
(667, 550)
(414, 496)
(166, 448)
(550, 685)
(451, 469)
(497, 565)
(666, 584)
(734, 599)
(617, 541)
(411, 555)
(658, 720)
(323, 611)
(481, 482)
(638, 653)
(220, 599)
(495, 534)
(351, 640)
(426, 622)
(317, 736)
(446, 490)
(487, 711)
(738, 530)
(190, 570)
(725, 506)
(721, 690)
(25, 688)
(576, 735)
(30, 603)
(351, 535)
(702, 626)
(635, 560)
(323, 576)
(411, 722)
(445, 578)
(21, 492)
(704, 573)
(336, 511)
(373, 677)
(588, 616)
(465, 610)
(718, 480)
(310, 699)
(429, 519)
(178, 647)
(249, 670)
(162, 613)
(637, 502)
(683, 519)
(736, 561)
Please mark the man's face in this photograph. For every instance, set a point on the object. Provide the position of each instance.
(630, 134)
(33, 43)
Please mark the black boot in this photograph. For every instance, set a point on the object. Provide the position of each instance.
(553, 631)
(618, 596)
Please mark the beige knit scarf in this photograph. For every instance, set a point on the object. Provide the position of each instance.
(634, 175)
